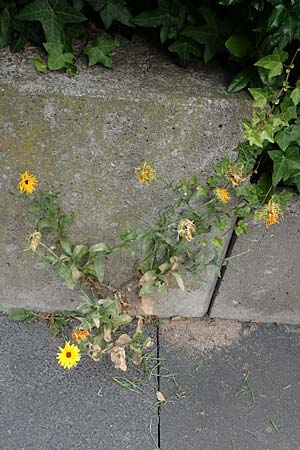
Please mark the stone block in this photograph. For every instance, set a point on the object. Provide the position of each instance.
(263, 284)
(85, 135)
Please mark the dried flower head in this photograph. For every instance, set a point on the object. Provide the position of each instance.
(270, 213)
(186, 228)
(222, 194)
(27, 183)
(80, 335)
(34, 240)
(145, 173)
(235, 175)
(68, 356)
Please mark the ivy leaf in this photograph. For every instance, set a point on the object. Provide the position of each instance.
(274, 62)
(100, 52)
(5, 27)
(295, 96)
(185, 48)
(286, 165)
(288, 136)
(281, 169)
(240, 80)
(238, 46)
(170, 15)
(39, 64)
(57, 59)
(111, 11)
(261, 96)
(52, 15)
(207, 34)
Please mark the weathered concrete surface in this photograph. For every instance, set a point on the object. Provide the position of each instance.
(44, 407)
(85, 135)
(263, 284)
(238, 386)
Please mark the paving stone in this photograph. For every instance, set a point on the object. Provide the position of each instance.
(85, 136)
(239, 386)
(263, 284)
(44, 407)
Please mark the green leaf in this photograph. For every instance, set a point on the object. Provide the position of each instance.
(288, 136)
(100, 52)
(46, 223)
(280, 166)
(101, 247)
(5, 27)
(241, 228)
(170, 15)
(261, 96)
(66, 245)
(99, 267)
(238, 46)
(274, 62)
(207, 34)
(185, 48)
(39, 64)
(21, 314)
(285, 164)
(240, 80)
(57, 59)
(79, 251)
(147, 289)
(217, 242)
(52, 15)
(111, 11)
(295, 96)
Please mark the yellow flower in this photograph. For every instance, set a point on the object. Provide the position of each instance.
(34, 240)
(186, 228)
(79, 335)
(145, 173)
(68, 356)
(27, 183)
(270, 213)
(222, 194)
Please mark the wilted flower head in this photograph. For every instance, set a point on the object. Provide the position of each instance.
(27, 183)
(80, 335)
(235, 175)
(270, 213)
(34, 240)
(145, 173)
(186, 228)
(222, 194)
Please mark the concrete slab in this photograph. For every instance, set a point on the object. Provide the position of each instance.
(85, 135)
(44, 407)
(239, 386)
(263, 284)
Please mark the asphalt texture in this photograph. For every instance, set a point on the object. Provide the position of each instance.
(227, 386)
(238, 389)
(44, 407)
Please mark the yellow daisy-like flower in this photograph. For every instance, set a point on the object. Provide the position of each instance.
(145, 173)
(34, 240)
(186, 228)
(27, 183)
(270, 213)
(68, 356)
(222, 194)
(80, 335)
